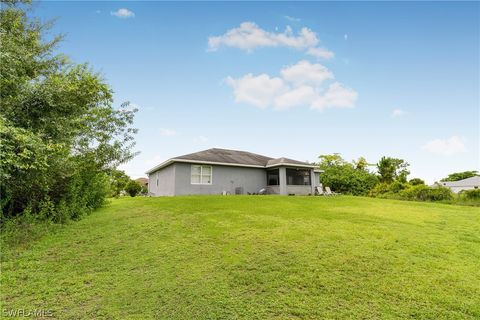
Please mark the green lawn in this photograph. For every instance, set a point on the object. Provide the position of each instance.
(213, 257)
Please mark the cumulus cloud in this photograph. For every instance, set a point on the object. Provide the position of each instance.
(258, 90)
(298, 85)
(447, 147)
(336, 96)
(320, 53)
(398, 113)
(299, 96)
(304, 72)
(249, 36)
(123, 13)
(167, 132)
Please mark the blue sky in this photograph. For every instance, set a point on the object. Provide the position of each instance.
(289, 79)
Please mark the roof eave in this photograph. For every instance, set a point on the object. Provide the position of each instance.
(170, 161)
(286, 164)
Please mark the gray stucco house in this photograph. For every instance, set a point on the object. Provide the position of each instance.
(221, 171)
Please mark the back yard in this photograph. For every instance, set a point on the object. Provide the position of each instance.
(213, 257)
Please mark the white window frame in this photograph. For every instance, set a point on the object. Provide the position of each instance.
(201, 174)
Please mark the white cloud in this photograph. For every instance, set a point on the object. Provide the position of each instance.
(345, 36)
(447, 147)
(298, 85)
(123, 13)
(398, 113)
(320, 53)
(337, 96)
(295, 97)
(249, 36)
(258, 90)
(167, 132)
(201, 139)
(304, 72)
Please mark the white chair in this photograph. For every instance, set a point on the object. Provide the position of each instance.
(329, 192)
(319, 191)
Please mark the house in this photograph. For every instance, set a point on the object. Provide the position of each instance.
(221, 171)
(465, 184)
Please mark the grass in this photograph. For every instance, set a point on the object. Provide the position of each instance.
(212, 257)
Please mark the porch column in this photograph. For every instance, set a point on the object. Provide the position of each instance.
(283, 180)
(312, 181)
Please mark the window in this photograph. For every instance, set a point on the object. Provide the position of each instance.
(273, 177)
(298, 177)
(201, 175)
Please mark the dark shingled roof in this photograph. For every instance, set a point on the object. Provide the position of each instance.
(227, 156)
(232, 157)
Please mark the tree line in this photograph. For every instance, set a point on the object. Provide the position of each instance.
(61, 138)
(388, 179)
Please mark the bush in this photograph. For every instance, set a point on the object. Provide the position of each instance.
(425, 193)
(348, 180)
(403, 191)
(133, 188)
(470, 194)
(379, 190)
(397, 186)
(437, 194)
(416, 181)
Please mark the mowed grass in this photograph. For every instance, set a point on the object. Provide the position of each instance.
(257, 257)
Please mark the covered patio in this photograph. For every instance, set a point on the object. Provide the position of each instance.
(292, 180)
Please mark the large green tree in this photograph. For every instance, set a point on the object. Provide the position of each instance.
(392, 169)
(60, 135)
(346, 177)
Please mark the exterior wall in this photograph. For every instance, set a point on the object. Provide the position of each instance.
(458, 189)
(273, 189)
(166, 182)
(224, 178)
(299, 190)
(175, 179)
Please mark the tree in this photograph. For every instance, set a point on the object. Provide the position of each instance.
(391, 169)
(343, 177)
(416, 182)
(119, 180)
(460, 175)
(60, 135)
(361, 164)
(133, 188)
(330, 160)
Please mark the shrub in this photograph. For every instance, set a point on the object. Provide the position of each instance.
(348, 180)
(403, 191)
(473, 194)
(397, 186)
(416, 181)
(133, 188)
(425, 193)
(379, 190)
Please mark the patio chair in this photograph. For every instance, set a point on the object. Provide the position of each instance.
(319, 191)
(329, 192)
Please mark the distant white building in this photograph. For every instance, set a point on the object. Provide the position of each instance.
(465, 184)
